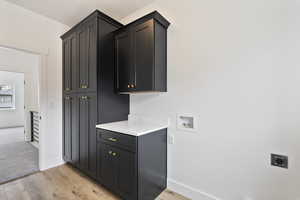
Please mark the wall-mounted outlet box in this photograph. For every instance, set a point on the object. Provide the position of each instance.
(279, 161)
(187, 122)
(171, 139)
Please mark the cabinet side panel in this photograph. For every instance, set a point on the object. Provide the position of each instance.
(152, 164)
(111, 106)
(160, 58)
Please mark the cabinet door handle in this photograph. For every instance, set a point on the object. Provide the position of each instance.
(84, 86)
(67, 89)
(84, 97)
(112, 139)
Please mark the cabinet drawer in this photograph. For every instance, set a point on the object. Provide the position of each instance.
(117, 139)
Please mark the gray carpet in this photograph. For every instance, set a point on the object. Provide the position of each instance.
(16, 160)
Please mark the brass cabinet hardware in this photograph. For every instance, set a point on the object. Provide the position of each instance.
(84, 86)
(112, 139)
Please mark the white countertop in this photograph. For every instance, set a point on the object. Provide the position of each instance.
(134, 127)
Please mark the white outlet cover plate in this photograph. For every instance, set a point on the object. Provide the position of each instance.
(195, 122)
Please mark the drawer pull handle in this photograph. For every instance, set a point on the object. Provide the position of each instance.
(112, 139)
(84, 86)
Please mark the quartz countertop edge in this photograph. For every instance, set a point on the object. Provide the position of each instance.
(133, 129)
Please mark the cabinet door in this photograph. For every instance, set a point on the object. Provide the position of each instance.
(75, 132)
(143, 56)
(125, 73)
(87, 55)
(67, 128)
(70, 130)
(69, 63)
(67, 76)
(87, 134)
(108, 166)
(126, 174)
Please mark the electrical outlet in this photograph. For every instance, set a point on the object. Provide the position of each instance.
(187, 122)
(171, 139)
(279, 161)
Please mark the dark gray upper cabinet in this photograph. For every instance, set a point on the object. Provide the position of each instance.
(141, 55)
(87, 55)
(123, 60)
(70, 63)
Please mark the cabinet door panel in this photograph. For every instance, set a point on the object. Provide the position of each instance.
(87, 133)
(143, 56)
(91, 80)
(92, 135)
(83, 56)
(108, 166)
(74, 62)
(126, 174)
(87, 54)
(83, 132)
(66, 65)
(69, 63)
(123, 63)
(67, 134)
(75, 131)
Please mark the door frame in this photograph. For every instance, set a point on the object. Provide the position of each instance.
(42, 93)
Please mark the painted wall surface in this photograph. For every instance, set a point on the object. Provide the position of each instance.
(24, 29)
(23, 62)
(235, 64)
(13, 117)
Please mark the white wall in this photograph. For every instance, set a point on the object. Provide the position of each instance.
(236, 65)
(23, 62)
(13, 117)
(24, 29)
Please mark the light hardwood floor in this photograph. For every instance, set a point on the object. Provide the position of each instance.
(62, 183)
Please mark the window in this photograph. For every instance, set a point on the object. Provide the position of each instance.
(7, 97)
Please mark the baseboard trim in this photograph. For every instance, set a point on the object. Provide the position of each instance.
(8, 127)
(189, 192)
(52, 165)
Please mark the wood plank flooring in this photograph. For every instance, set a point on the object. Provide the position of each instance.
(62, 183)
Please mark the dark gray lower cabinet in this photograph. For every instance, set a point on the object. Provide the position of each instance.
(117, 170)
(80, 114)
(87, 133)
(135, 168)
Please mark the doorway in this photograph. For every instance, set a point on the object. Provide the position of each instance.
(19, 99)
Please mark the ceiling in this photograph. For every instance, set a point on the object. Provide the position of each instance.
(70, 12)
